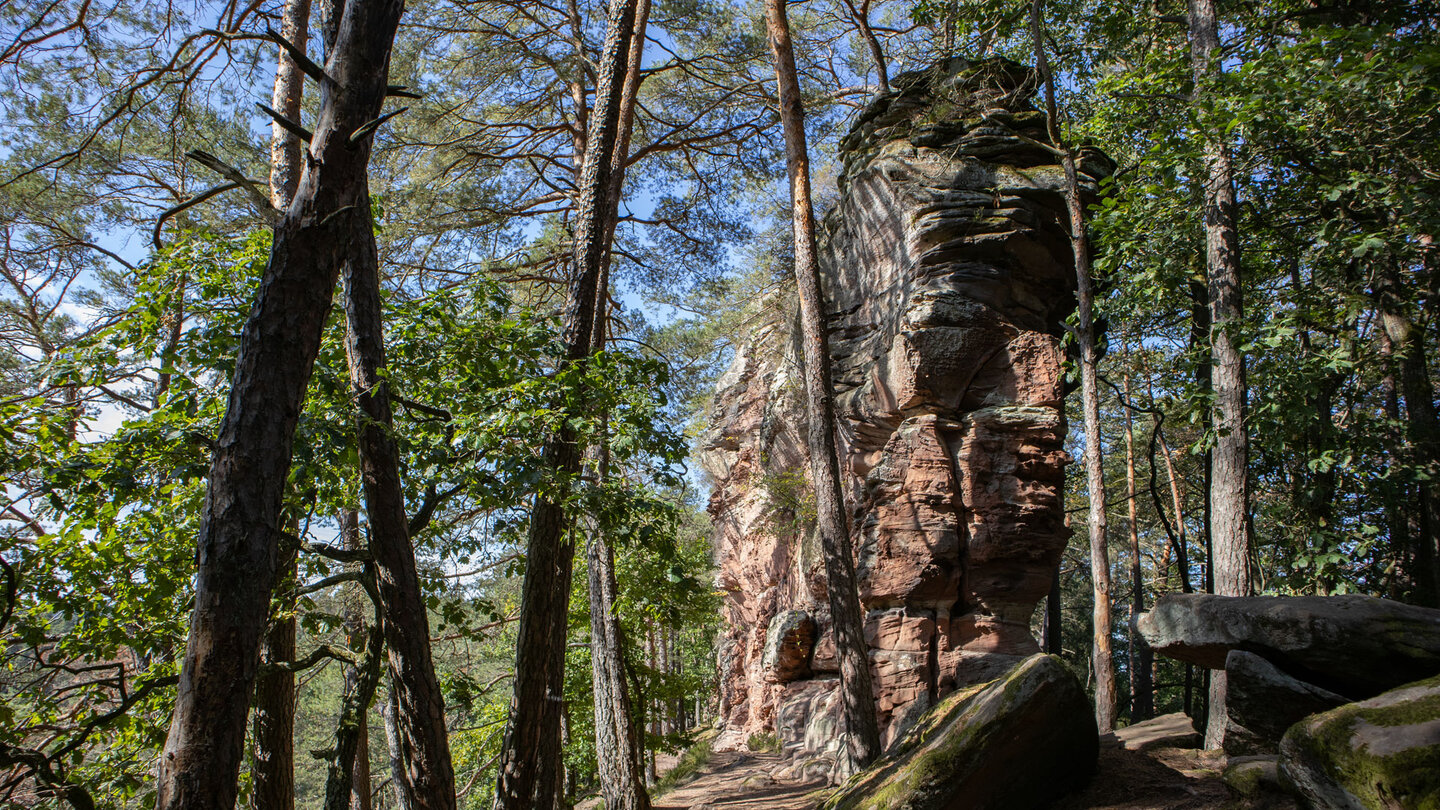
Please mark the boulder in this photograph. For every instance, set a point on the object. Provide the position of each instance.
(1017, 743)
(1262, 702)
(1378, 754)
(789, 642)
(1253, 776)
(1175, 730)
(1357, 646)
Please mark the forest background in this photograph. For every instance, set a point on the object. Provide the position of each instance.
(126, 281)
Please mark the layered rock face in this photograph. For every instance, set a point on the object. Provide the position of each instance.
(948, 275)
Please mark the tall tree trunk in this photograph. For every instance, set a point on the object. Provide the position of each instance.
(863, 737)
(272, 773)
(240, 520)
(617, 740)
(618, 747)
(1229, 497)
(1407, 340)
(272, 725)
(286, 165)
(1142, 681)
(356, 601)
(427, 779)
(1101, 654)
(530, 753)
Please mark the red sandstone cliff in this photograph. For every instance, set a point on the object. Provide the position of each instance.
(948, 278)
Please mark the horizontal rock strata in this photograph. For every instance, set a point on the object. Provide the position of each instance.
(948, 277)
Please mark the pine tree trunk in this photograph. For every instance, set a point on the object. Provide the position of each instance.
(240, 520)
(618, 748)
(1407, 340)
(863, 734)
(1229, 497)
(272, 771)
(530, 754)
(356, 603)
(272, 724)
(428, 780)
(1142, 682)
(1101, 654)
(617, 740)
(286, 165)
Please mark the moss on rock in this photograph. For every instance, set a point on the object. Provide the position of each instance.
(983, 748)
(1379, 754)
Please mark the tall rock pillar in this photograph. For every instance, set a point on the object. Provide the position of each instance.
(948, 276)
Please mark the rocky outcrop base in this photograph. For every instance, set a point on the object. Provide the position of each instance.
(1015, 744)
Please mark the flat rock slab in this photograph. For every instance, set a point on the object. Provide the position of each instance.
(1356, 646)
(1175, 730)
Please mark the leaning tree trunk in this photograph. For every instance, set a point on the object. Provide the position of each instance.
(863, 739)
(238, 546)
(272, 770)
(1229, 499)
(1102, 656)
(427, 777)
(618, 748)
(530, 753)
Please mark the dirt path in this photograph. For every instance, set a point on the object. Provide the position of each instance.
(740, 781)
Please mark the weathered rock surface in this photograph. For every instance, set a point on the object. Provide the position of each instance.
(948, 275)
(1262, 703)
(1018, 743)
(1357, 646)
(1378, 754)
(1174, 730)
(789, 641)
(1253, 775)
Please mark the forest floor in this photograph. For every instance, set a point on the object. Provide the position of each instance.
(1164, 779)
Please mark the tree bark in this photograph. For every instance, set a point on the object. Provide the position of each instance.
(239, 531)
(1407, 341)
(356, 601)
(285, 148)
(427, 778)
(1142, 682)
(272, 773)
(1101, 654)
(1229, 496)
(863, 737)
(618, 747)
(530, 753)
(272, 724)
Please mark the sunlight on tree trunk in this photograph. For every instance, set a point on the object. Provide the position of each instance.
(863, 738)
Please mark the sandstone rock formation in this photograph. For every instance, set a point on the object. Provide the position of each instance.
(948, 276)
(1017, 744)
(1378, 754)
(1356, 646)
(1261, 702)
